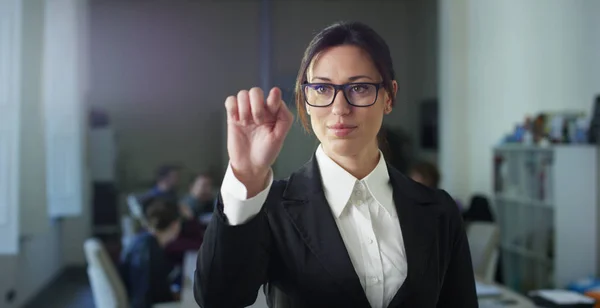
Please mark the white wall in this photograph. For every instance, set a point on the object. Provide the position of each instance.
(40, 256)
(503, 60)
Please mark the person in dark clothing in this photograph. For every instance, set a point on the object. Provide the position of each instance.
(200, 200)
(144, 267)
(191, 231)
(165, 187)
(428, 174)
(346, 229)
(425, 173)
(479, 210)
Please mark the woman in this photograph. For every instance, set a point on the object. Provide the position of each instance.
(345, 230)
(146, 272)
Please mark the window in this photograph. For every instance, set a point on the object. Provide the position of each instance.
(64, 107)
(10, 87)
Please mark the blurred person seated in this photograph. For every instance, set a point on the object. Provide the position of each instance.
(479, 210)
(165, 186)
(428, 174)
(200, 201)
(425, 173)
(192, 231)
(147, 273)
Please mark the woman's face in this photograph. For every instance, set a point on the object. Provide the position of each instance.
(341, 128)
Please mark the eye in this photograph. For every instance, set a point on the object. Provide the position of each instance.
(321, 89)
(359, 88)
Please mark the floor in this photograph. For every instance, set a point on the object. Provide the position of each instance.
(70, 290)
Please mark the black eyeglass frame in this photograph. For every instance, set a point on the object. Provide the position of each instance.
(342, 87)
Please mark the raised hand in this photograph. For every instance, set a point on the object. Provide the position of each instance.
(255, 134)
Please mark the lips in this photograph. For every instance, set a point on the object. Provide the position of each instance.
(341, 130)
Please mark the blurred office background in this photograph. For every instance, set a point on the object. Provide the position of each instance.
(95, 95)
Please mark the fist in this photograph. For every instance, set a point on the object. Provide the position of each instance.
(256, 130)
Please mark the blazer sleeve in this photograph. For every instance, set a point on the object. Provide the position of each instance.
(233, 260)
(458, 286)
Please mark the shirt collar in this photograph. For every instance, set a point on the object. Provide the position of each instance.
(338, 183)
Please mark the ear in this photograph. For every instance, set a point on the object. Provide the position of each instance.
(390, 98)
(307, 109)
(387, 109)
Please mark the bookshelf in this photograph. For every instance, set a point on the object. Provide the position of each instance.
(547, 202)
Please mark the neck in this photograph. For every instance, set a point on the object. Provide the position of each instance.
(360, 164)
(162, 238)
(204, 198)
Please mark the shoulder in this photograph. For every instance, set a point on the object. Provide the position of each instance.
(276, 193)
(436, 200)
(452, 221)
(142, 240)
(138, 247)
(188, 200)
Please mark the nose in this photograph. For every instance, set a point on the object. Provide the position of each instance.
(340, 106)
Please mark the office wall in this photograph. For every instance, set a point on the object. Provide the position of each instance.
(162, 70)
(502, 60)
(40, 256)
(422, 75)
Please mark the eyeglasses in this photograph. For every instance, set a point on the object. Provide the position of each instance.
(359, 94)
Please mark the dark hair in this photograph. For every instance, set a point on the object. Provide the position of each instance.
(161, 213)
(346, 33)
(428, 171)
(164, 171)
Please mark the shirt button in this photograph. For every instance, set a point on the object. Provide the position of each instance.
(375, 279)
(370, 241)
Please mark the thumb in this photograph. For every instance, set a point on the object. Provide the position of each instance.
(285, 118)
(274, 101)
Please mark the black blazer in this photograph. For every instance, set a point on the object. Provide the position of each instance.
(294, 245)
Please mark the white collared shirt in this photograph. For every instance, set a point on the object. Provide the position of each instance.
(365, 215)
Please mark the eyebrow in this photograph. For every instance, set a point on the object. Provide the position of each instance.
(353, 78)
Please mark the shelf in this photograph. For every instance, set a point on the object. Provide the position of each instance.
(524, 201)
(522, 147)
(545, 197)
(548, 148)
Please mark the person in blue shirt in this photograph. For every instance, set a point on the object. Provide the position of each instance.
(146, 272)
(200, 201)
(165, 186)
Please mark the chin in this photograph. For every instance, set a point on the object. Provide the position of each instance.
(345, 147)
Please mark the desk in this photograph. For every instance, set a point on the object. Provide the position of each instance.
(187, 290)
(517, 300)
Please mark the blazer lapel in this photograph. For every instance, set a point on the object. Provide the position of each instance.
(306, 205)
(418, 226)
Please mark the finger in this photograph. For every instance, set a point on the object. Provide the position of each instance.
(257, 105)
(243, 102)
(232, 109)
(274, 100)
